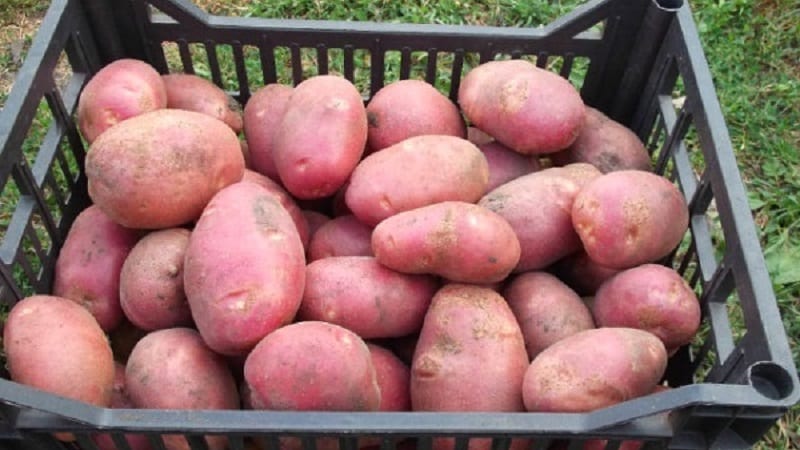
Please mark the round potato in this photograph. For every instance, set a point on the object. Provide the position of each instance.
(193, 93)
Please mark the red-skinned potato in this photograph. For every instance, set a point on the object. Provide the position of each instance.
(263, 113)
(341, 236)
(478, 137)
(244, 271)
(582, 274)
(285, 200)
(89, 264)
(629, 217)
(393, 377)
(506, 164)
(160, 169)
(315, 221)
(321, 137)
(529, 109)
(120, 399)
(193, 93)
(122, 89)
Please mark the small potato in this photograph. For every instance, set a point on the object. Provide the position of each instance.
(593, 369)
(120, 90)
(341, 236)
(120, 399)
(285, 200)
(478, 137)
(315, 221)
(159, 169)
(151, 281)
(312, 366)
(653, 298)
(407, 108)
(459, 241)
(123, 338)
(582, 274)
(393, 379)
(244, 271)
(529, 109)
(630, 217)
(89, 264)
(321, 137)
(547, 310)
(263, 113)
(506, 164)
(419, 171)
(193, 93)
(606, 144)
(365, 297)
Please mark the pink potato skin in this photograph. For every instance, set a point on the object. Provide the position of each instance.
(582, 274)
(312, 366)
(263, 113)
(506, 164)
(538, 207)
(194, 93)
(630, 217)
(159, 169)
(315, 221)
(416, 172)
(547, 310)
(529, 109)
(478, 137)
(89, 264)
(174, 369)
(593, 369)
(459, 241)
(122, 89)
(653, 298)
(151, 281)
(393, 378)
(341, 236)
(470, 357)
(285, 200)
(321, 137)
(55, 345)
(407, 108)
(606, 144)
(120, 399)
(244, 270)
(358, 293)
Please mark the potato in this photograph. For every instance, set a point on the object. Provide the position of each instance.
(123, 338)
(315, 221)
(407, 108)
(582, 274)
(393, 377)
(365, 297)
(89, 264)
(529, 109)
(470, 356)
(593, 369)
(538, 206)
(193, 93)
(506, 164)
(174, 369)
(285, 200)
(653, 298)
(547, 310)
(459, 241)
(120, 399)
(122, 89)
(263, 113)
(55, 345)
(151, 281)
(312, 366)
(159, 169)
(244, 270)
(341, 236)
(419, 171)
(630, 217)
(606, 144)
(478, 137)
(321, 137)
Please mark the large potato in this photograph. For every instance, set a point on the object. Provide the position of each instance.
(321, 137)
(193, 93)
(159, 169)
(416, 172)
(312, 366)
(408, 108)
(593, 369)
(89, 264)
(122, 89)
(459, 241)
(630, 217)
(244, 271)
(285, 200)
(529, 109)
(653, 298)
(365, 297)
(263, 114)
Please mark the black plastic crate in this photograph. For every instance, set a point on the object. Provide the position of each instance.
(639, 61)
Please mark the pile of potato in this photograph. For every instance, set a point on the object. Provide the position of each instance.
(314, 253)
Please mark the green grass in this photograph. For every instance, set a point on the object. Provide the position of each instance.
(753, 48)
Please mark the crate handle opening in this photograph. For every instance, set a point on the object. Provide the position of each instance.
(669, 5)
(770, 380)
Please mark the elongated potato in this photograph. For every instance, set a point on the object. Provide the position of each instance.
(263, 114)
(416, 172)
(459, 241)
(193, 93)
(244, 271)
(285, 200)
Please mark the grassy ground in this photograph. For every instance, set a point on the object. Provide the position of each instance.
(753, 47)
